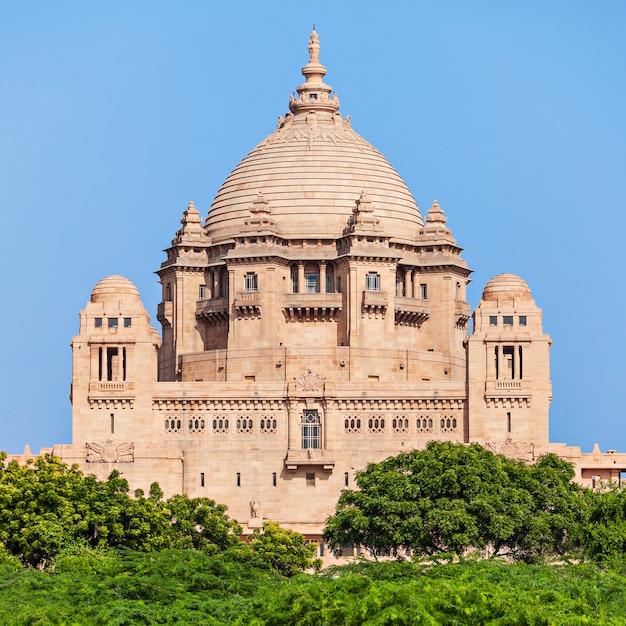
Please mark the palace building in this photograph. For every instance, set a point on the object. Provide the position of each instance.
(315, 321)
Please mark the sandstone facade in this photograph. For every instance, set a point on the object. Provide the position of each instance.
(313, 323)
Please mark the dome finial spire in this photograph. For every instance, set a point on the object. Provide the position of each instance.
(314, 47)
(314, 94)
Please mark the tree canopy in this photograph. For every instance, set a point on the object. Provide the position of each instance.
(48, 508)
(453, 498)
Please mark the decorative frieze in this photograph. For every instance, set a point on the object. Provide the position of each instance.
(110, 452)
(111, 403)
(519, 450)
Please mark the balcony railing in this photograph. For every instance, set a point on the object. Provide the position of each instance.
(374, 303)
(248, 304)
(411, 311)
(212, 311)
(165, 312)
(298, 307)
(461, 313)
(311, 456)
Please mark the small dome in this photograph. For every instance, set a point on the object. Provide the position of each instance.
(506, 287)
(115, 288)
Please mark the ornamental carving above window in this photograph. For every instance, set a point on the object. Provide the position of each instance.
(309, 381)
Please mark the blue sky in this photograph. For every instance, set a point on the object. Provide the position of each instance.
(114, 115)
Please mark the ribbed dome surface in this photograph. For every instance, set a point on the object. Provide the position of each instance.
(311, 174)
(506, 287)
(113, 289)
(312, 170)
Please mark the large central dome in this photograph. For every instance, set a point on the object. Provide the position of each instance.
(312, 170)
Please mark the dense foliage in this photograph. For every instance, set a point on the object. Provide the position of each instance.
(47, 507)
(115, 586)
(109, 557)
(454, 498)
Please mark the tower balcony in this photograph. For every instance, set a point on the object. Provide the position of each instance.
(165, 312)
(308, 458)
(411, 311)
(374, 303)
(213, 311)
(311, 307)
(461, 313)
(248, 304)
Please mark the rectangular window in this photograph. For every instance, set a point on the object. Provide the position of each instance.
(249, 379)
(372, 281)
(508, 422)
(522, 320)
(202, 292)
(310, 480)
(294, 282)
(508, 354)
(493, 320)
(98, 322)
(201, 479)
(507, 320)
(112, 423)
(312, 282)
(273, 479)
(127, 322)
(311, 430)
(113, 322)
(251, 282)
(346, 479)
(114, 368)
(424, 291)
(329, 283)
(338, 284)
(238, 479)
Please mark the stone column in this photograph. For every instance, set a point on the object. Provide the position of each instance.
(301, 288)
(323, 277)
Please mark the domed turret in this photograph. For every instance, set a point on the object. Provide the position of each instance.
(312, 170)
(115, 288)
(506, 287)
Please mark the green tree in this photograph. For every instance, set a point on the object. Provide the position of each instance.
(202, 524)
(451, 498)
(283, 550)
(47, 507)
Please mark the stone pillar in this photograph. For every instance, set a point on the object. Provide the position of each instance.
(216, 283)
(301, 288)
(104, 363)
(323, 277)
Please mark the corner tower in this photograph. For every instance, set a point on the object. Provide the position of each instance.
(508, 383)
(113, 372)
